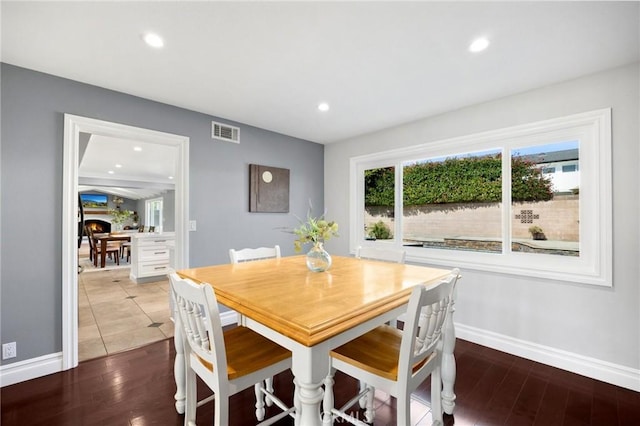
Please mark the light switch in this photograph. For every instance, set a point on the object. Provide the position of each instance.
(192, 225)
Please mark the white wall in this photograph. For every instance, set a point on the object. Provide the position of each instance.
(553, 322)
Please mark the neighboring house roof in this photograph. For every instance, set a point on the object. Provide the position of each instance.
(553, 157)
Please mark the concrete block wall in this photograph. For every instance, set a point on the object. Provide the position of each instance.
(558, 218)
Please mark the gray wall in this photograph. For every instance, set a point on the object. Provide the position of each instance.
(33, 105)
(601, 323)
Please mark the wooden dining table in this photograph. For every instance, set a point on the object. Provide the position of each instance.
(311, 313)
(105, 238)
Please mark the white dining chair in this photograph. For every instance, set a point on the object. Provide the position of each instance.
(384, 254)
(250, 254)
(226, 361)
(396, 361)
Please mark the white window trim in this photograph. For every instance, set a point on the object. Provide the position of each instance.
(593, 266)
(147, 212)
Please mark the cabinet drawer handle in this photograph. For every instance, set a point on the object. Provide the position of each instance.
(159, 241)
(160, 267)
(159, 252)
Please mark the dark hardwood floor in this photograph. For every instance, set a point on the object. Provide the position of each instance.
(493, 388)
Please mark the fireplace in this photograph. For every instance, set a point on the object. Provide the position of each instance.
(98, 226)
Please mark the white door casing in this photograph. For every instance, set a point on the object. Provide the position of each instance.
(73, 126)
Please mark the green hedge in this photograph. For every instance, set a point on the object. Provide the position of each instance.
(379, 187)
(457, 180)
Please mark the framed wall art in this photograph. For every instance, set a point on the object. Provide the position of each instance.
(268, 189)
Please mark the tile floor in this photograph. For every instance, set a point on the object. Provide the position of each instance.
(116, 314)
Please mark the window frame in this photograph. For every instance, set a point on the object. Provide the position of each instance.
(148, 212)
(593, 266)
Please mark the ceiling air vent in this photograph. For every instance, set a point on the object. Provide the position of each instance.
(225, 132)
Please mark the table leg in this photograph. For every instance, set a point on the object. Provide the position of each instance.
(449, 364)
(310, 366)
(103, 251)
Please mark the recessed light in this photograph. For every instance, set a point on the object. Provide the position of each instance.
(153, 40)
(323, 106)
(137, 148)
(478, 45)
(170, 177)
(111, 172)
(118, 166)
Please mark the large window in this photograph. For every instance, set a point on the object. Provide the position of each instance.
(528, 200)
(446, 198)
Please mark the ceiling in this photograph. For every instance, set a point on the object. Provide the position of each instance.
(126, 168)
(269, 64)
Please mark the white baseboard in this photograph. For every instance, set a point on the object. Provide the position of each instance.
(615, 374)
(30, 369)
(48, 364)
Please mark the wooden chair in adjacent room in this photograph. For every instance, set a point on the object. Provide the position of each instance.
(397, 361)
(226, 361)
(113, 248)
(125, 248)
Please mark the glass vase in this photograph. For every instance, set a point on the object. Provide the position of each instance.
(318, 260)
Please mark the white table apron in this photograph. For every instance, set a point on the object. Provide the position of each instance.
(310, 366)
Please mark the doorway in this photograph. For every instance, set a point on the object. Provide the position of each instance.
(75, 129)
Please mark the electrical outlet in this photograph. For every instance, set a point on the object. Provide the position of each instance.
(9, 350)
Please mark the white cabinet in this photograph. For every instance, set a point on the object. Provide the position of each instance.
(150, 255)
